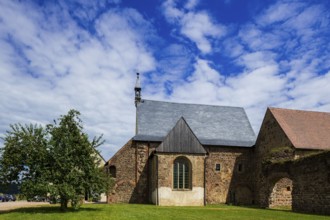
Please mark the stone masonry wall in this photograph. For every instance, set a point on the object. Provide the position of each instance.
(272, 145)
(124, 161)
(142, 190)
(234, 182)
(281, 194)
(165, 169)
(311, 185)
(271, 136)
(166, 194)
(310, 178)
(131, 182)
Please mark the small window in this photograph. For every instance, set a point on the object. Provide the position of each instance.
(288, 188)
(112, 171)
(240, 167)
(217, 167)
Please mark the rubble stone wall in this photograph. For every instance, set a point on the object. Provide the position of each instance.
(281, 194)
(169, 196)
(311, 185)
(233, 183)
(132, 173)
(124, 186)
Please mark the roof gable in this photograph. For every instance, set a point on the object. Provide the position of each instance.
(181, 139)
(212, 125)
(305, 129)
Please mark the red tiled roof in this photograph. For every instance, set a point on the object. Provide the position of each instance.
(305, 129)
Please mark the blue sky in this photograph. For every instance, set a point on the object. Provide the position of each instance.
(59, 55)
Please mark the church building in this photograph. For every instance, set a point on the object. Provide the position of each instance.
(185, 154)
(193, 155)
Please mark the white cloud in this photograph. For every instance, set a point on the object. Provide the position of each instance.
(254, 90)
(50, 64)
(197, 26)
(279, 12)
(310, 93)
(191, 4)
(200, 87)
(280, 67)
(70, 68)
(257, 59)
(254, 38)
(171, 13)
(232, 48)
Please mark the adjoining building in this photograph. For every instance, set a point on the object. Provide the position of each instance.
(192, 155)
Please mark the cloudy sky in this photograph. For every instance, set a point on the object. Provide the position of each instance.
(60, 55)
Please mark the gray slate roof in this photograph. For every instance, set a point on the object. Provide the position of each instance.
(212, 125)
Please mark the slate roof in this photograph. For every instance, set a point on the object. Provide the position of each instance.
(305, 129)
(212, 125)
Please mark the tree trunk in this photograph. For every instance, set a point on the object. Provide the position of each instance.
(64, 204)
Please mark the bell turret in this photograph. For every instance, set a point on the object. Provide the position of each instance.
(137, 90)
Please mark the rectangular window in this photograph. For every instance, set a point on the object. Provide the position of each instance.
(217, 167)
(240, 167)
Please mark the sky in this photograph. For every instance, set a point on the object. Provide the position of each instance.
(84, 55)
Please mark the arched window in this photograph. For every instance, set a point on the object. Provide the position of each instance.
(181, 174)
(112, 171)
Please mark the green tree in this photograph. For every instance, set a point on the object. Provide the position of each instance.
(24, 159)
(59, 160)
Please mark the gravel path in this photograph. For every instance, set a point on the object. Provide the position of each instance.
(4, 206)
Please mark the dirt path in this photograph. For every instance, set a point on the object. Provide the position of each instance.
(4, 206)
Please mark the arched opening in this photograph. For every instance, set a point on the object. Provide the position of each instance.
(112, 171)
(182, 174)
(281, 194)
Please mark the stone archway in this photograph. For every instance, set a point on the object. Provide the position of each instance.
(281, 193)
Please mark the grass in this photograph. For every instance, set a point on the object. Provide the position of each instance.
(131, 212)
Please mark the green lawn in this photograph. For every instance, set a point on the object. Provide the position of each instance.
(125, 211)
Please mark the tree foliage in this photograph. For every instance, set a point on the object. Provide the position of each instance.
(58, 160)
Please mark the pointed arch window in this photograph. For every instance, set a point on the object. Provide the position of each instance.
(182, 174)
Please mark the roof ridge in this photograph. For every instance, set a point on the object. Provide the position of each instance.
(297, 110)
(181, 103)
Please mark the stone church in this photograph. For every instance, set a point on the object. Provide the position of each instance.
(193, 155)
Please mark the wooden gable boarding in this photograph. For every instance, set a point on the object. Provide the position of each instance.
(181, 139)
